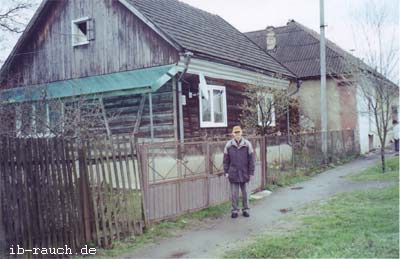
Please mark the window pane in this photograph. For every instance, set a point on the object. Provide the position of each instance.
(79, 31)
(206, 107)
(218, 106)
(41, 118)
(55, 113)
(26, 120)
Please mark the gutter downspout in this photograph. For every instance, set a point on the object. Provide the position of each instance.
(298, 85)
(187, 56)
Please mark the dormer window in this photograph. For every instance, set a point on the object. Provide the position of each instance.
(81, 31)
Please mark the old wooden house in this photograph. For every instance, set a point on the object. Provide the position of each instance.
(165, 69)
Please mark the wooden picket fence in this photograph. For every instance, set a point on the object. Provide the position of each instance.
(55, 192)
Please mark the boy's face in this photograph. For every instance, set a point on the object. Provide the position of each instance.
(237, 134)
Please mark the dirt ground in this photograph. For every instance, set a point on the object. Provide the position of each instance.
(211, 240)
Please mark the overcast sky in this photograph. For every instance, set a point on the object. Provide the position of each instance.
(249, 15)
(340, 15)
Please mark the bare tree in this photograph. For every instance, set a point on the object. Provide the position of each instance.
(264, 106)
(376, 26)
(11, 19)
(14, 16)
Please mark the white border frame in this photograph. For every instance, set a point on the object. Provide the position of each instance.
(73, 31)
(212, 124)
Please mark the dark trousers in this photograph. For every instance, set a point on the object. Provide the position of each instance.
(396, 145)
(235, 196)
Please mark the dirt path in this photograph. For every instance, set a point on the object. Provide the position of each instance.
(221, 234)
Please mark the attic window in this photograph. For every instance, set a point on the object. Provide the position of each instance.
(81, 31)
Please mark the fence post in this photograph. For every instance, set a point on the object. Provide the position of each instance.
(263, 155)
(2, 231)
(144, 180)
(85, 192)
(208, 172)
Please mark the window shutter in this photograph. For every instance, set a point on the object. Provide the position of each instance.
(91, 29)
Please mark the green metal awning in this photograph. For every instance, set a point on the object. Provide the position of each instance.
(128, 82)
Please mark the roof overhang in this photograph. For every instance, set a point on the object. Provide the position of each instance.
(221, 71)
(128, 82)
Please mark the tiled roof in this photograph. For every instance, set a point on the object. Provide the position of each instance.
(298, 48)
(206, 34)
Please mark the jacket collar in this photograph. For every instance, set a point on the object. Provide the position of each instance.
(242, 143)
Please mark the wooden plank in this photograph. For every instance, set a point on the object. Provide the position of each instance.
(126, 160)
(85, 192)
(61, 190)
(12, 216)
(124, 185)
(119, 188)
(55, 205)
(108, 146)
(137, 190)
(3, 194)
(66, 193)
(79, 238)
(42, 195)
(94, 193)
(72, 222)
(102, 199)
(107, 188)
(48, 197)
(143, 175)
(21, 194)
(3, 161)
(35, 187)
(7, 189)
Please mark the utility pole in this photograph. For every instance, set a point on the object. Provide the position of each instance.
(324, 119)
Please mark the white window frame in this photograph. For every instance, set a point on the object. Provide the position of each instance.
(273, 122)
(212, 124)
(75, 31)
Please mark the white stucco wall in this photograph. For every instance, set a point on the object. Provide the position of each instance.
(367, 125)
(341, 105)
(364, 122)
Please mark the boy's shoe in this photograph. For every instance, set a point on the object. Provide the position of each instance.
(234, 215)
(246, 214)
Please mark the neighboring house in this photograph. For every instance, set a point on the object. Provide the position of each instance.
(135, 58)
(298, 48)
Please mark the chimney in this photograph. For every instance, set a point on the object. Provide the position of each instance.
(271, 39)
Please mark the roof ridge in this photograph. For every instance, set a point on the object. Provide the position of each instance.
(254, 31)
(263, 30)
(194, 7)
(258, 47)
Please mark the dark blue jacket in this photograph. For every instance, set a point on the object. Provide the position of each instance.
(239, 160)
